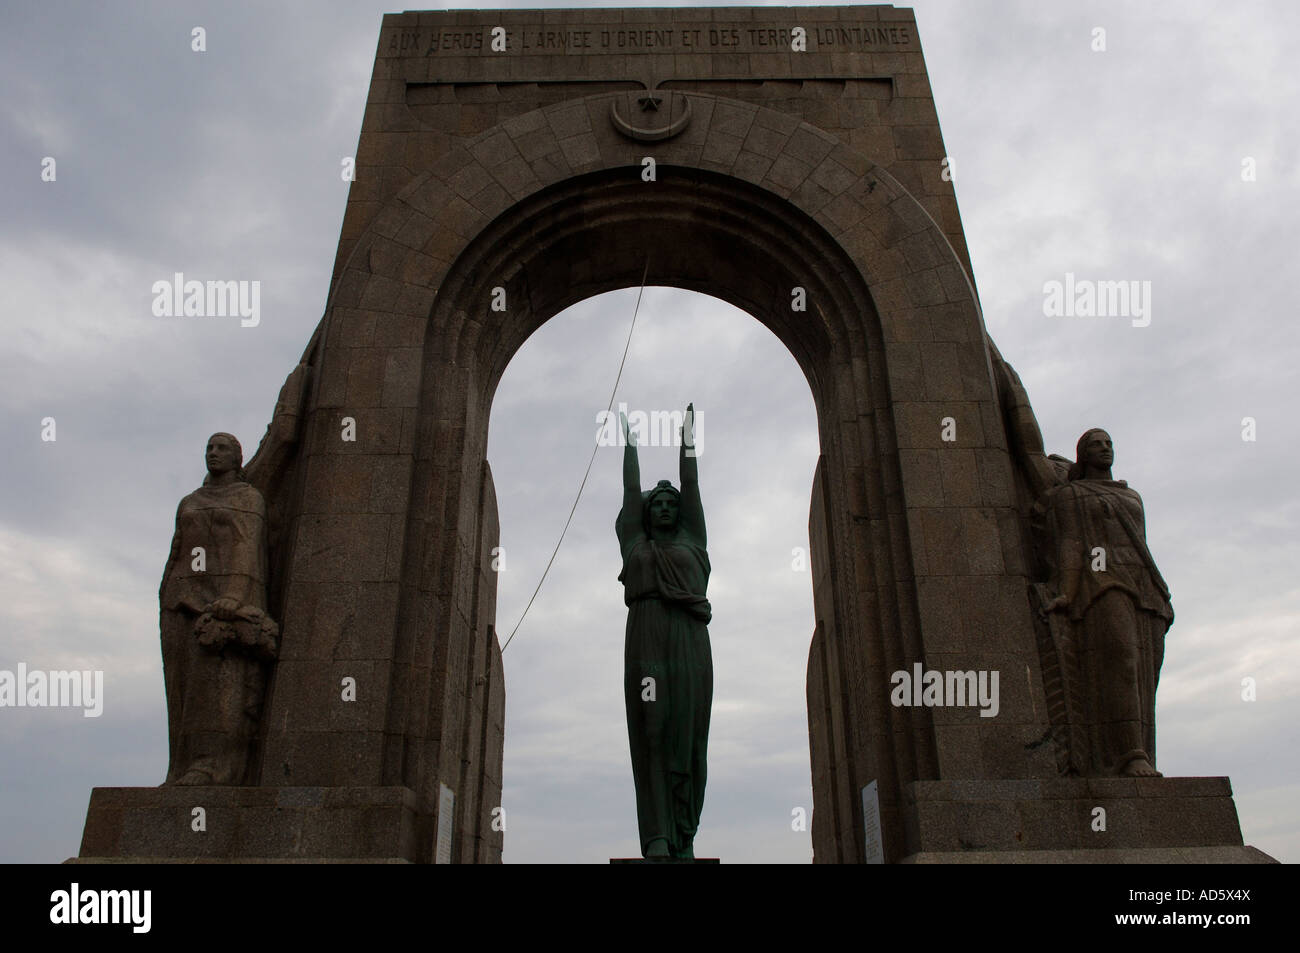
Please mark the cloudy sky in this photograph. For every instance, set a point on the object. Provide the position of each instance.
(1125, 164)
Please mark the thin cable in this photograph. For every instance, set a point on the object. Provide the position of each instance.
(594, 450)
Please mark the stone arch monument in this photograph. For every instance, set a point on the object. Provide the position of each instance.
(505, 153)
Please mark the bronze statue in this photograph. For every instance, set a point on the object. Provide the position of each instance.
(216, 636)
(668, 664)
(1100, 598)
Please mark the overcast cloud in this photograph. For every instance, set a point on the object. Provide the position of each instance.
(1125, 164)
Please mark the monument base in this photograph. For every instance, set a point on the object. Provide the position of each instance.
(1135, 855)
(250, 824)
(151, 861)
(1075, 820)
(664, 860)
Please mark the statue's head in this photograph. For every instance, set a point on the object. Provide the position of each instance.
(223, 455)
(660, 508)
(1094, 449)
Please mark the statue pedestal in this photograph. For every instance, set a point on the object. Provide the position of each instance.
(1145, 820)
(664, 860)
(288, 824)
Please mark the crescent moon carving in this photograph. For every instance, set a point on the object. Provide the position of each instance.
(642, 134)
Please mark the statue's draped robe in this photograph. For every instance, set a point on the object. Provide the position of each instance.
(1115, 619)
(213, 698)
(668, 640)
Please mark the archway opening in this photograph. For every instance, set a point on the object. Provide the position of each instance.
(567, 777)
(700, 231)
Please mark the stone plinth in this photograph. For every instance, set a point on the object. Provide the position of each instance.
(1146, 820)
(307, 824)
(665, 860)
(1113, 855)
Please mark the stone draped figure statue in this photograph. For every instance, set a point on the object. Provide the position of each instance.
(216, 635)
(668, 664)
(1103, 607)
(219, 641)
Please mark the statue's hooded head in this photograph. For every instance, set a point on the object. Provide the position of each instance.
(223, 454)
(1090, 451)
(660, 507)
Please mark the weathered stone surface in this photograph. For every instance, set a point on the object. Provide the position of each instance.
(250, 823)
(948, 818)
(1113, 855)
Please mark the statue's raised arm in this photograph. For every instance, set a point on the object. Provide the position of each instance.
(1023, 434)
(692, 512)
(267, 467)
(629, 525)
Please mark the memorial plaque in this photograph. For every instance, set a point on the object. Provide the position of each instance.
(873, 851)
(446, 821)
